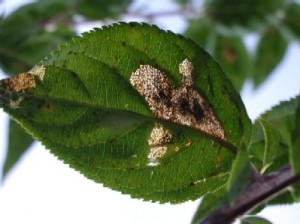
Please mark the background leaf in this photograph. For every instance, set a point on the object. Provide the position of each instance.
(208, 204)
(292, 17)
(20, 51)
(254, 220)
(282, 119)
(101, 9)
(247, 13)
(295, 142)
(271, 143)
(233, 57)
(240, 175)
(86, 112)
(19, 141)
(270, 51)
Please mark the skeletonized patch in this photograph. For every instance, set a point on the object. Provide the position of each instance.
(20, 82)
(158, 141)
(183, 104)
(38, 71)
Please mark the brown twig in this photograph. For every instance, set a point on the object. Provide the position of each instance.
(261, 189)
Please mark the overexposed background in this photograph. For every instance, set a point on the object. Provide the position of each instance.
(41, 189)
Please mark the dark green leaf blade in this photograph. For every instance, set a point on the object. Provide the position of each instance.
(101, 9)
(85, 109)
(270, 51)
(233, 57)
(240, 176)
(281, 118)
(292, 16)
(254, 220)
(295, 142)
(271, 137)
(248, 14)
(208, 204)
(18, 143)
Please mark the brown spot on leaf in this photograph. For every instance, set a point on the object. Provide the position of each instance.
(20, 82)
(229, 53)
(183, 104)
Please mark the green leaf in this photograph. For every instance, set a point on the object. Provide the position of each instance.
(254, 220)
(295, 141)
(240, 176)
(123, 105)
(233, 57)
(271, 137)
(25, 38)
(200, 31)
(247, 13)
(208, 204)
(101, 9)
(280, 119)
(292, 17)
(270, 51)
(18, 143)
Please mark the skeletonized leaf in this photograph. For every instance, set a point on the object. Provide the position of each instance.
(141, 110)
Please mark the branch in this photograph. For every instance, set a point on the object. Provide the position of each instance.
(261, 189)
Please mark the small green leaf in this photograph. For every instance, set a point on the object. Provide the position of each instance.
(18, 143)
(240, 177)
(200, 31)
(271, 137)
(233, 57)
(101, 9)
(270, 51)
(254, 220)
(209, 203)
(295, 146)
(292, 17)
(247, 14)
(143, 111)
(280, 119)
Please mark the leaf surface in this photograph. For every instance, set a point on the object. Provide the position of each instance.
(255, 220)
(89, 104)
(18, 142)
(281, 123)
(270, 51)
(295, 147)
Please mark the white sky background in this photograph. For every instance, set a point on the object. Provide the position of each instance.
(42, 189)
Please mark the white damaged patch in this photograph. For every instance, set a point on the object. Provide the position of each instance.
(158, 141)
(15, 104)
(181, 104)
(38, 71)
